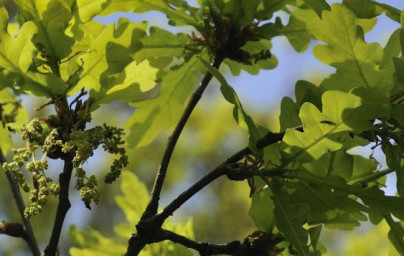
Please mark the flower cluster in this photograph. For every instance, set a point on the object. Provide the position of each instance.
(83, 143)
(35, 134)
(79, 144)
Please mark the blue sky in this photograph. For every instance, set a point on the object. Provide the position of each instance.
(266, 90)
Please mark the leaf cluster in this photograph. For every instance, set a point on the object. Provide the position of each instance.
(302, 178)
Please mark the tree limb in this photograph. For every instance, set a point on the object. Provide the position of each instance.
(267, 140)
(29, 236)
(158, 183)
(63, 207)
(149, 228)
(261, 245)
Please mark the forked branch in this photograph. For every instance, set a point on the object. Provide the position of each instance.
(161, 174)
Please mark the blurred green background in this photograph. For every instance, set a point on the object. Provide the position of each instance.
(220, 211)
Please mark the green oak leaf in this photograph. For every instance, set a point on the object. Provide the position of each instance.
(266, 8)
(370, 9)
(399, 62)
(262, 208)
(132, 187)
(93, 243)
(241, 117)
(178, 15)
(297, 31)
(332, 208)
(378, 202)
(160, 43)
(339, 163)
(396, 234)
(289, 117)
(318, 6)
(304, 92)
(128, 85)
(162, 112)
(355, 60)
(243, 12)
(52, 18)
(391, 50)
(6, 100)
(327, 131)
(107, 55)
(373, 197)
(16, 55)
(290, 218)
(87, 9)
(253, 47)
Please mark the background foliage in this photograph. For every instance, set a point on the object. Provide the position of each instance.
(59, 50)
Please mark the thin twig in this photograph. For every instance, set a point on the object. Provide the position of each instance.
(158, 183)
(63, 207)
(30, 237)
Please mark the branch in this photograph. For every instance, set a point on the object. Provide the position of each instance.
(136, 244)
(149, 228)
(158, 183)
(63, 207)
(259, 243)
(29, 236)
(267, 140)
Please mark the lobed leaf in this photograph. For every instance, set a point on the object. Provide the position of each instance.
(356, 61)
(178, 15)
(241, 117)
(88, 9)
(333, 208)
(94, 244)
(370, 9)
(342, 113)
(16, 55)
(6, 97)
(318, 6)
(133, 202)
(289, 219)
(162, 112)
(160, 43)
(51, 18)
(253, 47)
(107, 56)
(396, 234)
(262, 208)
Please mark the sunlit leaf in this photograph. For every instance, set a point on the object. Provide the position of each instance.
(51, 18)
(241, 117)
(160, 43)
(370, 9)
(7, 106)
(396, 234)
(94, 243)
(89, 8)
(107, 56)
(318, 6)
(289, 219)
(161, 113)
(178, 15)
(254, 67)
(16, 55)
(262, 208)
(355, 60)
